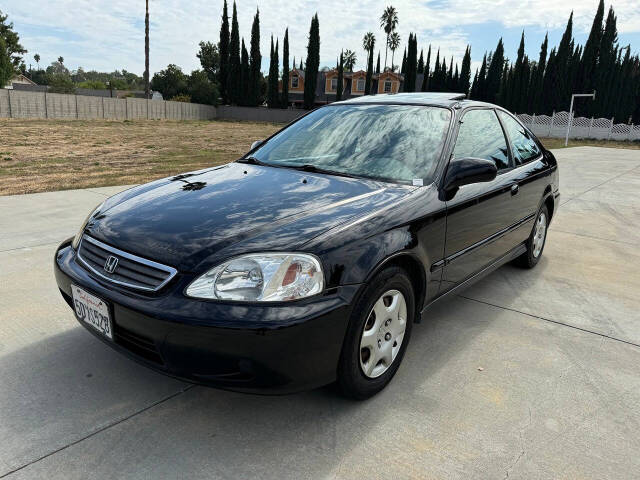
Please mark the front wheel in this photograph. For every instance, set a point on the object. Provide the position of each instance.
(536, 241)
(378, 335)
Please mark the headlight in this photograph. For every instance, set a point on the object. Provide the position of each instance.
(261, 277)
(76, 239)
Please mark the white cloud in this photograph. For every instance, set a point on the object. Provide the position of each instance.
(110, 34)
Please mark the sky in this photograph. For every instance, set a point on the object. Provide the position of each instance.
(107, 35)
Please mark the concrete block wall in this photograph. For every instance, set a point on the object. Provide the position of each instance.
(254, 114)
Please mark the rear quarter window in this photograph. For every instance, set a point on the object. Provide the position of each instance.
(523, 145)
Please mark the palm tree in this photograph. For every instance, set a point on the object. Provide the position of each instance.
(147, 90)
(349, 60)
(368, 42)
(60, 60)
(36, 57)
(388, 22)
(393, 44)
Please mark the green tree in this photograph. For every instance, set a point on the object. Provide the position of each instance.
(92, 85)
(273, 100)
(6, 68)
(435, 85)
(537, 78)
(223, 47)
(494, 73)
(255, 61)
(394, 43)
(313, 63)
(421, 62)
(427, 66)
(245, 74)
(36, 57)
(589, 61)
(465, 72)
(285, 70)
(404, 60)
(411, 67)
(201, 89)
(606, 66)
(378, 64)
(234, 93)
(11, 42)
(210, 61)
(349, 60)
(389, 23)
(369, 43)
(340, 67)
(170, 82)
(478, 92)
(61, 83)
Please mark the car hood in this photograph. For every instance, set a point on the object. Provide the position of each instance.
(194, 220)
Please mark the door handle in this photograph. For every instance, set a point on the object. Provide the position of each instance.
(514, 189)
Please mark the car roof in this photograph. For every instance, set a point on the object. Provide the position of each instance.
(445, 99)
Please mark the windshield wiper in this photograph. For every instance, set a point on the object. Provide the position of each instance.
(253, 161)
(314, 169)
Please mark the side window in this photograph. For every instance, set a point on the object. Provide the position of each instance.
(523, 146)
(481, 136)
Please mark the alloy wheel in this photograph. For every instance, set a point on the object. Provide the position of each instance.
(539, 234)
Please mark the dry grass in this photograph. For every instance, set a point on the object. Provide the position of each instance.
(551, 143)
(44, 155)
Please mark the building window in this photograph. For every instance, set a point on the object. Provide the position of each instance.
(294, 81)
(360, 85)
(387, 86)
(334, 84)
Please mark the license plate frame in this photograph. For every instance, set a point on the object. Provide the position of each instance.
(93, 311)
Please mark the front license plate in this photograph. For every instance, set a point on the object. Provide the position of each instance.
(90, 309)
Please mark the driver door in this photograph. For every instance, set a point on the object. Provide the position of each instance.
(479, 213)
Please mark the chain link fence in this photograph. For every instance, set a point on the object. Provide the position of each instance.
(581, 127)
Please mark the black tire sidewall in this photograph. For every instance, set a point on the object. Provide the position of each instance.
(351, 379)
(531, 259)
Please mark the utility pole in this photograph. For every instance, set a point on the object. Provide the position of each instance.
(570, 120)
(146, 52)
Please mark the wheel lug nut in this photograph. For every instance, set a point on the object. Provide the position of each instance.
(379, 343)
(387, 337)
(386, 324)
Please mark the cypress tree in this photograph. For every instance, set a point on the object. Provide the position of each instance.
(456, 80)
(255, 61)
(421, 62)
(285, 70)
(404, 59)
(546, 100)
(378, 64)
(223, 49)
(301, 64)
(444, 75)
(606, 66)
(514, 84)
(243, 87)
(480, 81)
(435, 80)
(494, 73)
(450, 85)
(560, 88)
(586, 75)
(272, 84)
(425, 77)
(411, 64)
(340, 67)
(233, 78)
(465, 72)
(473, 93)
(313, 63)
(537, 79)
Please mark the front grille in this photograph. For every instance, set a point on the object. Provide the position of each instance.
(142, 346)
(123, 268)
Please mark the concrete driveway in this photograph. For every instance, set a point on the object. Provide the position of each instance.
(529, 374)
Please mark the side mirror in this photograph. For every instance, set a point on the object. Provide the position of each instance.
(256, 144)
(464, 171)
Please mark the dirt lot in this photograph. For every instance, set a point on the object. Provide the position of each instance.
(44, 155)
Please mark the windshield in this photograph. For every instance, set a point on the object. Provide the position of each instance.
(389, 142)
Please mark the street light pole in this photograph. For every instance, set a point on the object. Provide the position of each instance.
(570, 120)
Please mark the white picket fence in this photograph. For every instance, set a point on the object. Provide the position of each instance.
(581, 127)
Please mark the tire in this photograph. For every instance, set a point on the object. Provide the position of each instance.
(384, 336)
(536, 241)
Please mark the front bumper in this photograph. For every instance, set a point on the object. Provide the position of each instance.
(246, 347)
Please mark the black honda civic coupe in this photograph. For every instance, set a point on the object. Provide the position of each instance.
(308, 260)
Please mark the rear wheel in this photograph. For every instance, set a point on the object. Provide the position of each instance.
(536, 241)
(378, 335)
